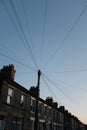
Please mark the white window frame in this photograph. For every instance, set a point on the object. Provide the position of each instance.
(22, 102)
(32, 123)
(45, 109)
(32, 105)
(10, 96)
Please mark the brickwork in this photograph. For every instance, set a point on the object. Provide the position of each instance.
(16, 114)
(10, 111)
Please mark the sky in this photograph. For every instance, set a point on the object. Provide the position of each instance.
(49, 35)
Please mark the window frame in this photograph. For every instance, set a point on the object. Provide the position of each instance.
(32, 105)
(10, 96)
(2, 122)
(22, 101)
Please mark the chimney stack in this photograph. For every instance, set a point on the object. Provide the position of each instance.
(8, 71)
(49, 100)
(33, 91)
(55, 105)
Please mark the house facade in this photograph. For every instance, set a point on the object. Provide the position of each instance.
(17, 107)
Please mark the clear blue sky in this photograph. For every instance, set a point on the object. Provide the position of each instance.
(55, 32)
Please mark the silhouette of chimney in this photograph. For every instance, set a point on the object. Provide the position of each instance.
(8, 71)
(55, 105)
(62, 109)
(49, 100)
(33, 91)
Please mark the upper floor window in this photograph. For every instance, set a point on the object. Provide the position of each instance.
(10, 96)
(49, 112)
(45, 110)
(22, 101)
(32, 105)
(61, 117)
(54, 115)
(39, 107)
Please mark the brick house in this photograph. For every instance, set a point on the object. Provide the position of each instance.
(14, 111)
(17, 107)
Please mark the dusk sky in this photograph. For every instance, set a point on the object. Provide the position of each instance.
(50, 35)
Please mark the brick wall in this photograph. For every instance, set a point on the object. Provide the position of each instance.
(14, 110)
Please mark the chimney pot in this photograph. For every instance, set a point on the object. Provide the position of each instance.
(8, 71)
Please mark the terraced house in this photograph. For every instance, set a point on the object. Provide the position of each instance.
(17, 107)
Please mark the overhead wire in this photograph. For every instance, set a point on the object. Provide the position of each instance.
(70, 71)
(9, 14)
(27, 25)
(43, 32)
(20, 25)
(63, 92)
(42, 42)
(60, 103)
(6, 56)
(25, 73)
(71, 86)
(50, 89)
(4, 4)
(50, 81)
(67, 71)
(12, 54)
(66, 36)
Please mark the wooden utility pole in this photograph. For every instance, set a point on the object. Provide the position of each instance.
(36, 123)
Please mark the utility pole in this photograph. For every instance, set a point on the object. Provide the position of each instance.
(36, 126)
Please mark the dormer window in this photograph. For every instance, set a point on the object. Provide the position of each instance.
(10, 96)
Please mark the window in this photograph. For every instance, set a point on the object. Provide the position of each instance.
(31, 124)
(10, 96)
(41, 126)
(54, 115)
(32, 105)
(45, 110)
(2, 123)
(17, 124)
(49, 112)
(22, 101)
(39, 108)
